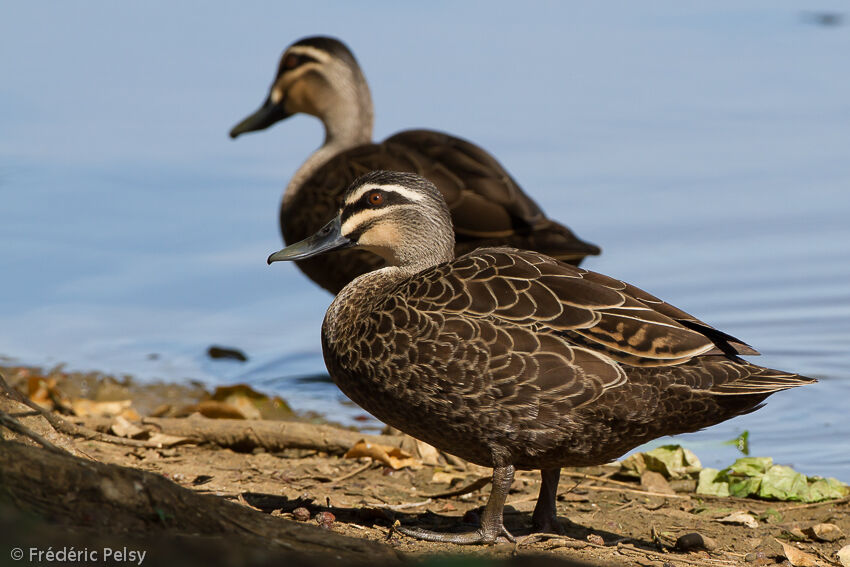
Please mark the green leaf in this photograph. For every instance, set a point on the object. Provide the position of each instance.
(672, 461)
(750, 466)
(784, 483)
(712, 481)
(826, 489)
(741, 487)
(742, 442)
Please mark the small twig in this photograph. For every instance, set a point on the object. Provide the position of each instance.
(480, 483)
(623, 506)
(397, 507)
(666, 556)
(332, 481)
(241, 499)
(584, 476)
(643, 492)
(813, 504)
(14, 425)
(18, 414)
(545, 536)
(355, 472)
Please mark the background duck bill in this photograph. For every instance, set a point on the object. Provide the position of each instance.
(264, 117)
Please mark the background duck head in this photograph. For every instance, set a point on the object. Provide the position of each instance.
(317, 76)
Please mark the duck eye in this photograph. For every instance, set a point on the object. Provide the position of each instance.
(376, 198)
(290, 61)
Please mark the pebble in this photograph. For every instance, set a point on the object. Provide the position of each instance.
(301, 514)
(695, 540)
(325, 520)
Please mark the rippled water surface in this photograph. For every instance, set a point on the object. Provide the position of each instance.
(705, 148)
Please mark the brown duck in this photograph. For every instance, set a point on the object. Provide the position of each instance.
(319, 76)
(512, 359)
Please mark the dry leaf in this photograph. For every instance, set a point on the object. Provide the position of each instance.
(392, 457)
(447, 477)
(123, 428)
(427, 454)
(163, 440)
(38, 390)
(655, 482)
(90, 408)
(214, 409)
(798, 557)
(740, 518)
(824, 532)
(843, 555)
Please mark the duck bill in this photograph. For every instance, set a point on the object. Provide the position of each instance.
(328, 238)
(264, 117)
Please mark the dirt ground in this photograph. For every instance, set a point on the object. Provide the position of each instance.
(609, 520)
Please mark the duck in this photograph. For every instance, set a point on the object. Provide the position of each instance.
(319, 76)
(512, 359)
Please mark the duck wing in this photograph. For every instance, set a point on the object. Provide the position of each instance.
(540, 325)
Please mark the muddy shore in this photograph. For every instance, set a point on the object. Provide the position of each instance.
(200, 493)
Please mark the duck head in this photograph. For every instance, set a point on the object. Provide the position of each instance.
(317, 76)
(402, 217)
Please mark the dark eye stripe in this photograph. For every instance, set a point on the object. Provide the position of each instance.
(390, 198)
(296, 59)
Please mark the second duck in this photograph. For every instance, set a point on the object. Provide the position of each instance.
(320, 76)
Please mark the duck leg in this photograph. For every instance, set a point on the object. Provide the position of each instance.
(545, 516)
(491, 520)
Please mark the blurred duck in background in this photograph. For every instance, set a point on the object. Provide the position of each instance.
(320, 76)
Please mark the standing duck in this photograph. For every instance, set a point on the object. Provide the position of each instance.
(509, 358)
(320, 76)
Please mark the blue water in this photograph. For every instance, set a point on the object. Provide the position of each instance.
(705, 147)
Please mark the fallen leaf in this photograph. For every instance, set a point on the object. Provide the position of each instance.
(221, 393)
(163, 440)
(751, 466)
(123, 428)
(740, 518)
(794, 534)
(784, 483)
(444, 477)
(655, 482)
(427, 454)
(827, 489)
(798, 557)
(713, 482)
(672, 461)
(824, 532)
(89, 408)
(215, 409)
(392, 457)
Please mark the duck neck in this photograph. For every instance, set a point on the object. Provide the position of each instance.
(348, 124)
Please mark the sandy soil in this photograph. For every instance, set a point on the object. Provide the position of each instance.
(608, 519)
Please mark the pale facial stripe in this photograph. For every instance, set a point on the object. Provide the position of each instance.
(362, 217)
(317, 54)
(403, 191)
(320, 56)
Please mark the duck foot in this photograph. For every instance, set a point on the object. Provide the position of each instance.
(481, 536)
(491, 528)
